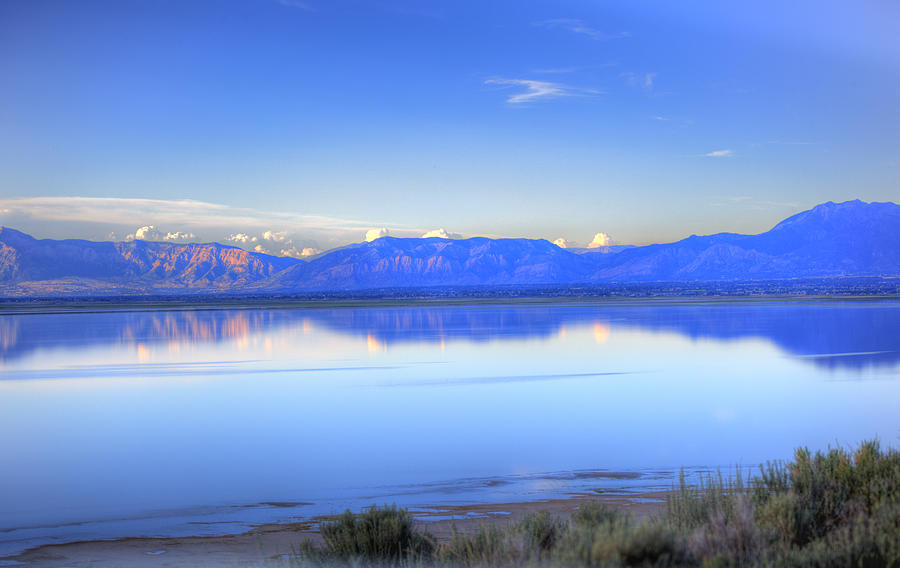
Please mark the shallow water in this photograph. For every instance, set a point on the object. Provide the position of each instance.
(126, 423)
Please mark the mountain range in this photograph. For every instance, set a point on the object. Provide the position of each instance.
(853, 238)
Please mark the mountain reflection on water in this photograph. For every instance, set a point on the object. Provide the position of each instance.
(836, 335)
(194, 421)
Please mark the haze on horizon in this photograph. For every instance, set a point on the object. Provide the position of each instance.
(293, 126)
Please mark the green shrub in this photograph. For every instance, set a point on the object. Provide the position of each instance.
(775, 517)
(377, 534)
(490, 546)
(540, 532)
(864, 543)
(618, 543)
(594, 513)
(828, 490)
(773, 479)
(730, 540)
(831, 509)
(688, 507)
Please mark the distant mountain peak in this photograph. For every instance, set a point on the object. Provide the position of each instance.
(845, 212)
(852, 238)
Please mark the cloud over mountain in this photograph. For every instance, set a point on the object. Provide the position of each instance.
(831, 240)
(600, 240)
(153, 233)
(373, 234)
(179, 236)
(97, 217)
(241, 238)
(441, 234)
(146, 233)
(276, 236)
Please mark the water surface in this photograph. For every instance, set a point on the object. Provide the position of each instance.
(126, 423)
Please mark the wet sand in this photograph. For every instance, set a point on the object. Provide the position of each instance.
(270, 543)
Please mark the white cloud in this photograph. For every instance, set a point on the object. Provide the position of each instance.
(241, 238)
(719, 154)
(441, 234)
(563, 243)
(146, 233)
(260, 249)
(539, 90)
(579, 27)
(373, 234)
(183, 213)
(291, 252)
(648, 80)
(294, 252)
(96, 217)
(5, 211)
(278, 237)
(600, 240)
(179, 236)
(154, 233)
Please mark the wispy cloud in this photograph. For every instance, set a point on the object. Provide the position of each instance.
(95, 217)
(579, 27)
(719, 154)
(539, 90)
(274, 232)
(181, 212)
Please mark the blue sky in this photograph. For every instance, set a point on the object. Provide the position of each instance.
(314, 121)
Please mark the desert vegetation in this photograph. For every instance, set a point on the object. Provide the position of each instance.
(838, 508)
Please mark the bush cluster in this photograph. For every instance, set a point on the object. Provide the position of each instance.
(831, 509)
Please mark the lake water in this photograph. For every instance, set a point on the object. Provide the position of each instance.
(168, 422)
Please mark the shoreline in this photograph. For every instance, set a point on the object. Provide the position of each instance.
(272, 542)
(138, 304)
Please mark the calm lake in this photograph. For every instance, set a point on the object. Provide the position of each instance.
(171, 422)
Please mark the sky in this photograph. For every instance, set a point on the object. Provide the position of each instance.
(293, 126)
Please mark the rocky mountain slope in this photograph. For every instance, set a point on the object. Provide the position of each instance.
(26, 259)
(831, 240)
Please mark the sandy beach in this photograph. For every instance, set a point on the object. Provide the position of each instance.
(270, 543)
